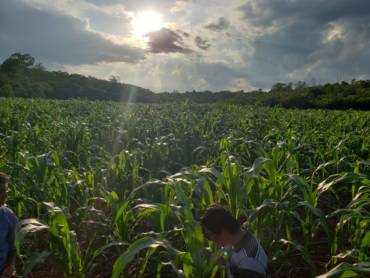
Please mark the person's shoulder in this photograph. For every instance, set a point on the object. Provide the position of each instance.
(9, 214)
(249, 244)
(7, 210)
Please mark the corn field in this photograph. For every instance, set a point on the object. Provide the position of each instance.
(105, 189)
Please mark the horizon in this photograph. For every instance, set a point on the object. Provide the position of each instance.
(167, 46)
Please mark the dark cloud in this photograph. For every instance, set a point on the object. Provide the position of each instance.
(54, 37)
(202, 43)
(322, 40)
(166, 41)
(183, 33)
(268, 12)
(218, 26)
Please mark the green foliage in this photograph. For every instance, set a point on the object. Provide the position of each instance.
(108, 189)
(346, 270)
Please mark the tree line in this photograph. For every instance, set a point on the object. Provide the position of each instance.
(20, 76)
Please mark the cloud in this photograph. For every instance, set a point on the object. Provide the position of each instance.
(228, 44)
(166, 41)
(172, 72)
(183, 33)
(267, 12)
(54, 37)
(202, 43)
(305, 40)
(338, 57)
(217, 76)
(135, 5)
(113, 19)
(218, 26)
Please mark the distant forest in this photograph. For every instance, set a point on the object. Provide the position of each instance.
(20, 76)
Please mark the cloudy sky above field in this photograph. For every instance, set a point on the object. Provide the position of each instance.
(168, 45)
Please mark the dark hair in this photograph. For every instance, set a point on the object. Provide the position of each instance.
(218, 219)
(3, 180)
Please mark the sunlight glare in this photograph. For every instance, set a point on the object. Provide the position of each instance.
(146, 22)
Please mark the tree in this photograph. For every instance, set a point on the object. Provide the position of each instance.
(114, 79)
(17, 61)
(6, 91)
(300, 85)
(281, 87)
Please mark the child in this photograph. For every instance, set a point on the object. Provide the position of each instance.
(247, 258)
(8, 222)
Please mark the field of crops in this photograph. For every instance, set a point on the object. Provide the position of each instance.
(115, 190)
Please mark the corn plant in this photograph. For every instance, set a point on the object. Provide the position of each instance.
(117, 190)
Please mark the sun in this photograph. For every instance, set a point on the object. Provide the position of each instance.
(146, 22)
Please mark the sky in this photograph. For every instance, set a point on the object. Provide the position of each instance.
(185, 45)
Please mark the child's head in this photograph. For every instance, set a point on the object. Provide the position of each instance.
(219, 225)
(3, 188)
